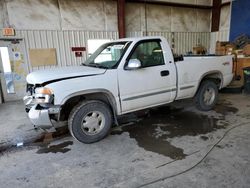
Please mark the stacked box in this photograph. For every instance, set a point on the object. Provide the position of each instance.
(198, 50)
(230, 49)
(246, 50)
(221, 47)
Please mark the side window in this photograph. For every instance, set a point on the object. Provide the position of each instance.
(149, 53)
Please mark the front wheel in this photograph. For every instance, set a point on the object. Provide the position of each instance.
(90, 121)
(206, 96)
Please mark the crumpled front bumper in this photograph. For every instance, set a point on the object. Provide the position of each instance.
(39, 115)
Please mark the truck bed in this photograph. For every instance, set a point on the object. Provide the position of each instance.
(193, 68)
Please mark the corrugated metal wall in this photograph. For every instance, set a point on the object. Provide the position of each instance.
(64, 40)
(184, 42)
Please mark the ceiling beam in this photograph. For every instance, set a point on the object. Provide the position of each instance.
(216, 15)
(173, 4)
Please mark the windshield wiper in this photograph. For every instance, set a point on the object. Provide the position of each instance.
(84, 64)
(97, 65)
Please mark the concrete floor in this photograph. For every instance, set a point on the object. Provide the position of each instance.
(175, 146)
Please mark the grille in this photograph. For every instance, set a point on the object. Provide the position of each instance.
(30, 89)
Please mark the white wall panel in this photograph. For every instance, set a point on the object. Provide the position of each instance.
(62, 41)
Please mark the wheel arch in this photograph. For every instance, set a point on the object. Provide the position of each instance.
(215, 76)
(73, 99)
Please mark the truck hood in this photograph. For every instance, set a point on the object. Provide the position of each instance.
(58, 74)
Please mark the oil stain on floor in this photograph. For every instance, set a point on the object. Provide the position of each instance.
(47, 138)
(58, 148)
(152, 132)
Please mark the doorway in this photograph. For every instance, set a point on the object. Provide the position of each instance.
(13, 70)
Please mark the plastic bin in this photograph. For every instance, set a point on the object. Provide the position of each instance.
(246, 72)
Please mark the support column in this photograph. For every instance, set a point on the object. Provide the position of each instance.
(216, 15)
(121, 18)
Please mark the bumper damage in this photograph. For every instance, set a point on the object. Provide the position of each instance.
(40, 116)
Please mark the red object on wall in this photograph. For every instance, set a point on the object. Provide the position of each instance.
(78, 54)
(78, 49)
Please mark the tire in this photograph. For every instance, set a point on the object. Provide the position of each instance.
(207, 96)
(90, 121)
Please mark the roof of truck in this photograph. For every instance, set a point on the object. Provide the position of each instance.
(135, 39)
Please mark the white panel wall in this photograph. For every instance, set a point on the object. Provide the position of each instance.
(25, 14)
(225, 17)
(94, 15)
(101, 15)
(141, 17)
(62, 41)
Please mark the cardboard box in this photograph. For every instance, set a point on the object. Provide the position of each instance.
(221, 43)
(230, 49)
(197, 50)
(220, 50)
(246, 50)
(224, 48)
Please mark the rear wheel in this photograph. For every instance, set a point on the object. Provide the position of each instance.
(206, 96)
(90, 121)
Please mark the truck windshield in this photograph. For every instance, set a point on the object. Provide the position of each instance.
(108, 55)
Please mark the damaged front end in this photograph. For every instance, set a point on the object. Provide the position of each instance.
(39, 106)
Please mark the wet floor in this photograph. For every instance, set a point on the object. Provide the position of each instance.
(43, 142)
(154, 131)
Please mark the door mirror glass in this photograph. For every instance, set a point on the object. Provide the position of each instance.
(133, 64)
(7, 72)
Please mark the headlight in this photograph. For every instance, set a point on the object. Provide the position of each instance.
(44, 91)
(43, 95)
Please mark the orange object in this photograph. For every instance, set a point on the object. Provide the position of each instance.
(8, 32)
(246, 50)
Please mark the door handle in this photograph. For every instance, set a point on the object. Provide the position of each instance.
(165, 73)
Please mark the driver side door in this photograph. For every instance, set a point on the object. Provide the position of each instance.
(150, 85)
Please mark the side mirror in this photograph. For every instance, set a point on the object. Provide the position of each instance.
(133, 64)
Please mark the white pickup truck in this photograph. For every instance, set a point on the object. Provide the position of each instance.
(122, 76)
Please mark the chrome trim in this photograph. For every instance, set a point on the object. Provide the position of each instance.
(27, 100)
(186, 87)
(54, 110)
(40, 98)
(149, 94)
